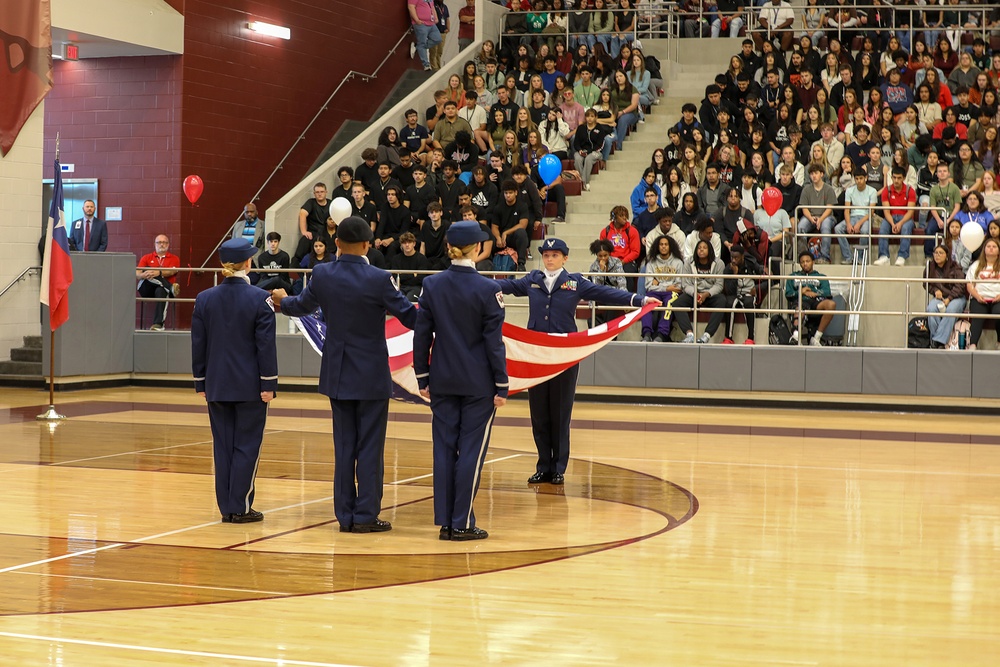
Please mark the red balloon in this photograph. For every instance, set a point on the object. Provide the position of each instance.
(771, 200)
(193, 187)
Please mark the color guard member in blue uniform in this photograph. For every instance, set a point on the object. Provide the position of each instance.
(461, 314)
(235, 366)
(355, 297)
(553, 295)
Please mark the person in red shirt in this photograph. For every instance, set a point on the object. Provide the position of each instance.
(466, 24)
(157, 279)
(625, 239)
(898, 219)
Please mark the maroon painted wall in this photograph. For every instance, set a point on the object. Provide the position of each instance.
(227, 110)
(118, 121)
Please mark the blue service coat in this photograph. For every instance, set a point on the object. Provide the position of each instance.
(462, 313)
(354, 296)
(98, 235)
(233, 352)
(555, 312)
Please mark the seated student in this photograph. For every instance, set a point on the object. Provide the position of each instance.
(638, 197)
(528, 195)
(362, 206)
(790, 191)
(394, 221)
(403, 173)
(645, 221)
(449, 188)
(945, 297)
(704, 230)
(419, 195)
(463, 151)
(858, 222)
(817, 200)
(740, 291)
(408, 259)
(815, 294)
(706, 292)
(346, 176)
(591, 143)
(367, 171)
(662, 265)
(606, 262)
(510, 222)
(625, 240)
(482, 193)
(431, 237)
(984, 288)
(896, 220)
(554, 192)
(484, 260)
(665, 227)
(945, 200)
(273, 258)
(727, 217)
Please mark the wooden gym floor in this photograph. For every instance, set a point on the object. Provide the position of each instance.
(683, 536)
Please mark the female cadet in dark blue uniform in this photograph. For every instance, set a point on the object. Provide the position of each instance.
(461, 313)
(235, 366)
(553, 295)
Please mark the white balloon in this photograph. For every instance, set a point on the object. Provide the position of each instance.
(340, 209)
(972, 236)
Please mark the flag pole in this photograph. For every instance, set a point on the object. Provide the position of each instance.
(51, 414)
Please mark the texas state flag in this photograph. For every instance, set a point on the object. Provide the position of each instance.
(57, 270)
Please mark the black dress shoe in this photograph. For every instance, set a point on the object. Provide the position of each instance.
(558, 479)
(345, 527)
(540, 478)
(376, 526)
(445, 533)
(465, 534)
(647, 337)
(227, 518)
(247, 517)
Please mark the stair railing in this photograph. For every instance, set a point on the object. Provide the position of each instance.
(365, 77)
(21, 276)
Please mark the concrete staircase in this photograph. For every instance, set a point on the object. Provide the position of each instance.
(25, 361)
(684, 81)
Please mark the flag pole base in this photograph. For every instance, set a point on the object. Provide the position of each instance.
(50, 415)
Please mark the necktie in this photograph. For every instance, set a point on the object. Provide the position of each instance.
(86, 238)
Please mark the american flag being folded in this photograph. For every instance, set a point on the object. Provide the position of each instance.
(532, 357)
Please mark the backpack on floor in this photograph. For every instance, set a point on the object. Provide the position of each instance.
(778, 332)
(962, 332)
(917, 334)
(505, 260)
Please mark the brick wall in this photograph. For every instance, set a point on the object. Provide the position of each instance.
(227, 110)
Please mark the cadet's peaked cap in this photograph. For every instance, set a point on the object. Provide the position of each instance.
(235, 251)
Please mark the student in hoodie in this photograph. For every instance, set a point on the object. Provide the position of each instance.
(638, 198)
(688, 214)
(707, 292)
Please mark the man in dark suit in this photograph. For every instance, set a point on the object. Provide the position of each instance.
(354, 297)
(89, 233)
(235, 365)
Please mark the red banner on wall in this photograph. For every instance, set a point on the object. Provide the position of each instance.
(25, 64)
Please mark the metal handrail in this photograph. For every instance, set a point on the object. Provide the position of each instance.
(21, 276)
(912, 10)
(302, 135)
(566, 34)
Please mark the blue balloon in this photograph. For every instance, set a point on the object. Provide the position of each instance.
(466, 177)
(549, 168)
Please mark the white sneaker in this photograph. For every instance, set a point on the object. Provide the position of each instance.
(900, 261)
(642, 122)
(794, 340)
(882, 261)
(413, 50)
(656, 101)
(689, 338)
(586, 186)
(705, 338)
(816, 341)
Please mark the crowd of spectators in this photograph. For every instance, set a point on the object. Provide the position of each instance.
(854, 136)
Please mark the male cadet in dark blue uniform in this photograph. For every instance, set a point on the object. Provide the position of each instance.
(235, 366)
(553, 295)
(461, 314)
(354, 373)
